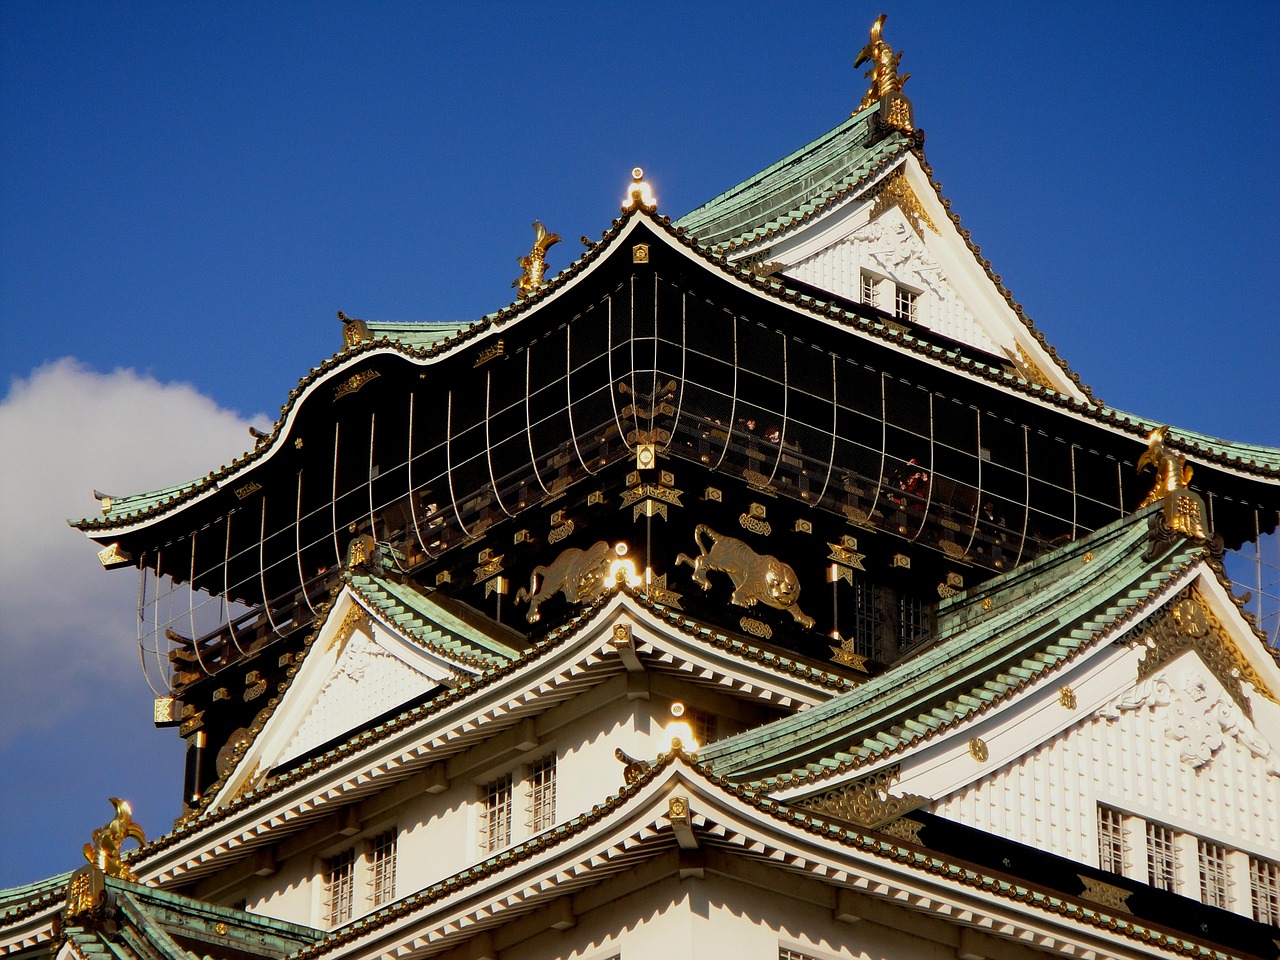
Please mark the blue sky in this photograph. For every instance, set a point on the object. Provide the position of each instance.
(189, 193)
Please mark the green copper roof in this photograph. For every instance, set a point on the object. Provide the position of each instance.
(797, 185)
(18, 902)
(414, 333)
(420, 617)
(145, 921)
(1040, 615)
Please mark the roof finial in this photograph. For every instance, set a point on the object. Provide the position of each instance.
(1183, 510)
(886, 85)
(535, 264)
(640, 193)
(104, 851)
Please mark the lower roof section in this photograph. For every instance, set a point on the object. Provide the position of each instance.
(994, 640)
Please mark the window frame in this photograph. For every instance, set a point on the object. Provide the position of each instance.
(908, 296)
(540, 795)
(339, 888)
(496, 798)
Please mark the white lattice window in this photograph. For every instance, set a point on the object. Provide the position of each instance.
(869, 289)
(1162, 857)
(382, 868)
(542, 795)
(339, 888)
(1214, 873)
(495, 817)
(904, 306)
(786, 953)
(1113, 851)
(1264, 889)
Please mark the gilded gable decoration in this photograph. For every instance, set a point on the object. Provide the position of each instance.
(886, 83)
(1027, 367)
(1187, 624)
(866, 801)
(896, 192)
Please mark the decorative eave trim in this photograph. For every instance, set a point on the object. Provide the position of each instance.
(101, 527)
(473, 890)
(370, 606)
(409, 758)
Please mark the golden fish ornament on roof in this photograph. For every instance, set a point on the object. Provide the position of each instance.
(1184, 511)
(104, 852)
(535, 264)
(886, 84)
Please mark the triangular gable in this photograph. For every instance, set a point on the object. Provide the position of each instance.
(1164, 724)
(622, 635)
(356, 670)
(370, 678)
(896, 235)
(1179, 705)
(994, 641)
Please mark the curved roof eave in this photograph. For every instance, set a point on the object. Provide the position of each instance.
(130, 514)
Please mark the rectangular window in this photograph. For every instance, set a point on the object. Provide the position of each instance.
(1264, 888)
(495, 822)
(339, 887)
(1113, 852)
(1213, 873)
(382, 868)
(866, 619)
(542, 795)
(785, 953)
(913, 621)
(1162, 857)
(904, 307)
(868, 289)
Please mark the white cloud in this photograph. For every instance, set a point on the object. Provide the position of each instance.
(67, 628)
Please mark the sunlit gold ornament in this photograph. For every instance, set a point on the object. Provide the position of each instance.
(535, 264)
(104, 851)
(886, 85)
(1183, 510)
(756, 578)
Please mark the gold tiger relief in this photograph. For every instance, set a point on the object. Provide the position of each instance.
(756, 578)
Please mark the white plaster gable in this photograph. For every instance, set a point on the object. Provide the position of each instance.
(914, 245)
(372, 675)
(356, 669)
(1191, 713)
(1173, 745)
(1100, 715)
